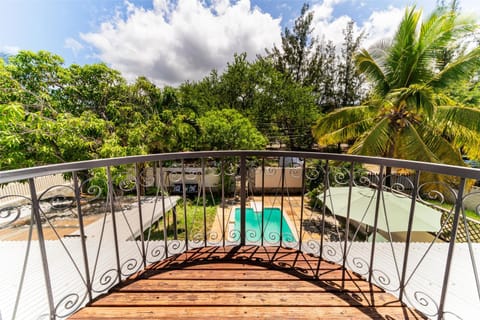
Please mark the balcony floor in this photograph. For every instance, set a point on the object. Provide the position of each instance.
(245, 282)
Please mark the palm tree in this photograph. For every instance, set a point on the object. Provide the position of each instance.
(409, 114)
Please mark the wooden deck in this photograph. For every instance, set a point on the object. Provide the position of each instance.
(245, 282)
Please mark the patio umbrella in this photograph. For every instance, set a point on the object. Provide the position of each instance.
(393, 213)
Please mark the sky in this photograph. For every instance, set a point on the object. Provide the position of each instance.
(172, 41)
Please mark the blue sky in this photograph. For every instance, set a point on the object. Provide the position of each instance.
(175, 40)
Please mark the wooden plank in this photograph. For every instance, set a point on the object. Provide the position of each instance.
(243, 252)
(331, 313)
(242, 249)
(217, 272)
(240, 261)
(296, 285)
(283, 255)
(237, 283)
(285, 262)
(291, 299)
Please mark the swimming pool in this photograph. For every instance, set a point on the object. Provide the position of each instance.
(271, 226)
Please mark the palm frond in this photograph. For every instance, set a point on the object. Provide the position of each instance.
(461, 126)
(458, 69)
(418, 98)
(411, 144)
(443, 149)
(340, 118)
(372, 69)
(436, 32)
(346, 133)
(376, 141)
(459, 116)
(402, 57)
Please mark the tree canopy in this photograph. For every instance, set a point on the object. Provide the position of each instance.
(422, 101)
(410, 115)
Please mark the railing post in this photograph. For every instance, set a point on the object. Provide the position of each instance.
(114, 223)
(409, 232)
(222, 175)
(243, 198)
(451, 247)
(41, 244)
(375, 223)
(82, 236)
(262, 232)
(138, 187)
(165, 227)
(302, 202)
(204, 200)
(282, 194)
(347, 223)
(184, 198)
(326, 185)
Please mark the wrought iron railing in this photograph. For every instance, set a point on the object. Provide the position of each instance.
(62, 246)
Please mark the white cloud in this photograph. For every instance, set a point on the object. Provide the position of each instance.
(176, 42)
(326, 27)
(380, 24)
(324, 10)
(470, 6)
(10, 50)
(73, 45)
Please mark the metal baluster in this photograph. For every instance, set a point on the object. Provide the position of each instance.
(204, 199)
(375, 223)
(326, 184)
(165, 227)
(281, 199)
(451, 247)
(222, 175)
(43, 250)
(140, 216)
(302, 201)
(263, 202)
(114, 223)
(243, 184)
(409, 232)
(347, 223)
(472, 255)
(83, 238)
(184, 194)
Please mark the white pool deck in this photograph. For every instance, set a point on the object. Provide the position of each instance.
(424, 286)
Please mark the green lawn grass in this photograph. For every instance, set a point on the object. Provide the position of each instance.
(195, 222)
(469, 213)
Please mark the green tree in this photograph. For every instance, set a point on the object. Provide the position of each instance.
(410, 114)
(280, 108)
(227, 129)
(38, 75)
(328, 98)
(314, 63)
(284, 110)
(33, 132)
(146, 96)
(93, 87)
(349, 81)
(300, 55)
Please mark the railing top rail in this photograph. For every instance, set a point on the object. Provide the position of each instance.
(26, 173)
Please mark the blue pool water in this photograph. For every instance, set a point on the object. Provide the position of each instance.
(271, 225)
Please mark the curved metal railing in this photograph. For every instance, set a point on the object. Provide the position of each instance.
(395, 222)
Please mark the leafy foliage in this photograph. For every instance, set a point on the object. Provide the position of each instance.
(410, 115)
(227, 129)
(314, 63)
